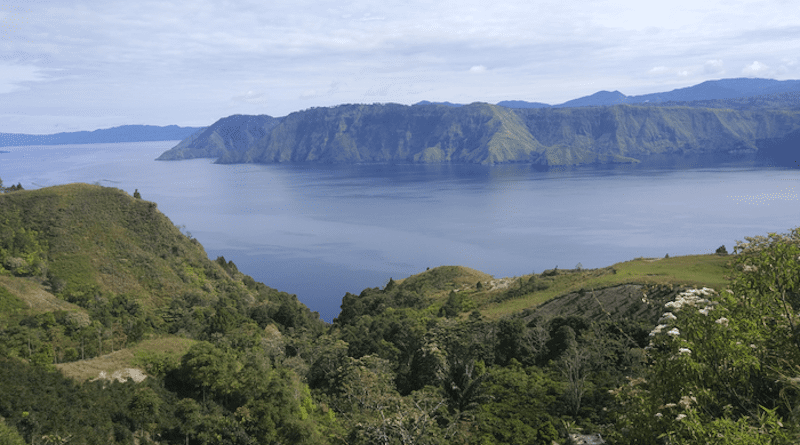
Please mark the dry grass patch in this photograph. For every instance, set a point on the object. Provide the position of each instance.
(127, 358)
(83, 370)
(36, 296)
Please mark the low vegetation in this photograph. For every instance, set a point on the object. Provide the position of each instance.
(98, 290)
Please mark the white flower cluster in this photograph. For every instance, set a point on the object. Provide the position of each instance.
(690, 298)
(685, 403)
(657, 330)
(749, 268)
(666, 317)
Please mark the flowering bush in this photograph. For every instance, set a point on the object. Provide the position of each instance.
(724, 366)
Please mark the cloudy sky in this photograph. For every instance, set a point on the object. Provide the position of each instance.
(68, 65)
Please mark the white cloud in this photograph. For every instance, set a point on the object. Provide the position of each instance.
(251, 97)
(755, 69)
(788, 67)
(317, 93)
(714, 66)
(277, 57)
(12, 77)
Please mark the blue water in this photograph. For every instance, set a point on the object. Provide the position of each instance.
(321, 231)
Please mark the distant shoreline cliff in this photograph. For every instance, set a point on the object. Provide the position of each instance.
(488, 134)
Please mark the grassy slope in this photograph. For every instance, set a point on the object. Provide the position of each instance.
(692, 270)
(174, 347)
(103, 237)
(101, 241)
(437, 283)
(35, 297)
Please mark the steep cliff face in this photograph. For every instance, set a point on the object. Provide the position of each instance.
(489, 134)
(232, 133)
(478, 133)
(614, 134)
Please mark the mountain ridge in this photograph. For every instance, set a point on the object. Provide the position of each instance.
(124, 133)
(233, 133)
(708, 91)
(748, 118)
(488, 134)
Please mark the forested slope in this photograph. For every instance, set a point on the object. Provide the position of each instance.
(640, 352)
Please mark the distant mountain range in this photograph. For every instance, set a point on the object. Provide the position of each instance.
(604, 128)
(713, 94)
(125, 133)
(714, 117)
(490, 134)
(723, 93)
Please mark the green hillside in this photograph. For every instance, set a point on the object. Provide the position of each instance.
(459, 290)
(116, 328)
(122, 265)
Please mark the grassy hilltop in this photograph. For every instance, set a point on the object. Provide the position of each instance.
(117, 328)
(95, 250)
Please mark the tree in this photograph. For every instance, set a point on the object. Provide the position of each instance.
(328, 356)
(518, 406)
(511, 342)
(575, 369)
(453, 306)
(143, 409)
(463, 386)
(8, 434)
(725, 365)
(189, 415)
(136, 194)
(211, 370)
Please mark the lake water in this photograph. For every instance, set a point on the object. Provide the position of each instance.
(321, 231)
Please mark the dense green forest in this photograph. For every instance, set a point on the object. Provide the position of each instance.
(98, 287)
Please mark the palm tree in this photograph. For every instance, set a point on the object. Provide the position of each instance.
(463, 387)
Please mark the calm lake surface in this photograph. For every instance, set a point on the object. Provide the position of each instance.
(321, 231)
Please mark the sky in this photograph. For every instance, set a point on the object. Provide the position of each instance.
(70, 65)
